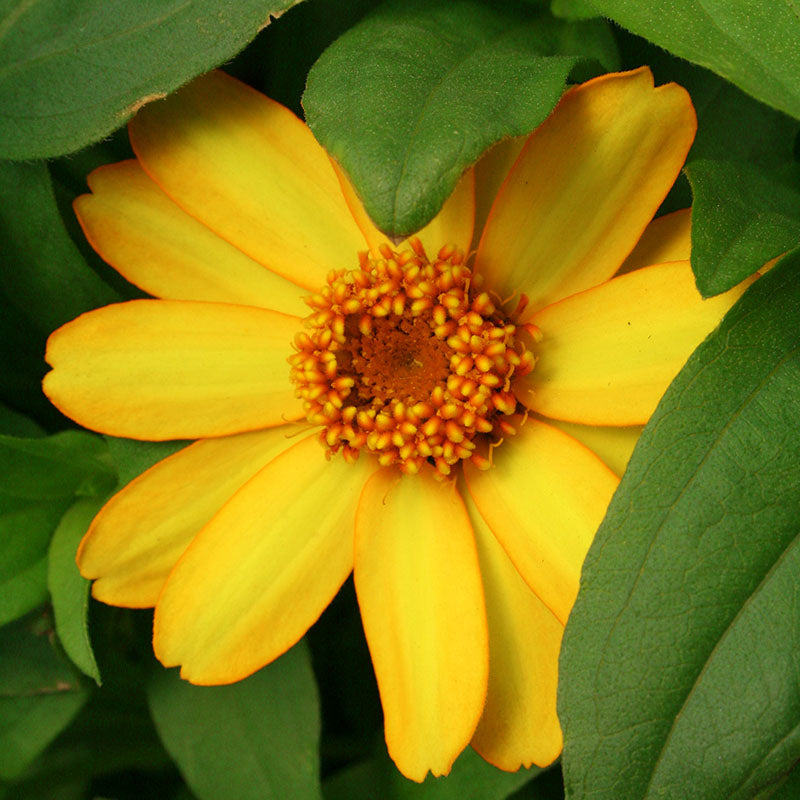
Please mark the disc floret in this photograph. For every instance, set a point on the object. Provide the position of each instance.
(407, 357)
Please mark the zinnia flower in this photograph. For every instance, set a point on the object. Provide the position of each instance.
(431, 425)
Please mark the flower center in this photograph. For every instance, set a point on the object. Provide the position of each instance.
(408, 358)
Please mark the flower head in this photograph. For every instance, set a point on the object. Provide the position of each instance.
(448, 426)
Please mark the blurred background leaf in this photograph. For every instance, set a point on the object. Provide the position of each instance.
(749, 43)
(41, 477)
(40, 693)
(257, 738)
(471, 779)
(679, 668)
(44, 282)
(431, 85)
(71, 73)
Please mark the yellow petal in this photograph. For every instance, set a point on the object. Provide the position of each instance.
(613, 444)
(247, 168)
(585, 186)
(519, 725)
(137, 229)
(544, 498)
(668, 238)
(419, 590)
(490, 171)
(264, 568)
(608, 354)
(170, 369)
(452, 225)
(142, 531)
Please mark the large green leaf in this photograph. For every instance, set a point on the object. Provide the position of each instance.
(750, 43)
(407, 99)
(70, 73)
(39, 694)
(254, 739)
(470, 779)
(679, 668)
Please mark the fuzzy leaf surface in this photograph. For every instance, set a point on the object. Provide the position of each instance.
(411, 96)
(750, 43)
(72, 72)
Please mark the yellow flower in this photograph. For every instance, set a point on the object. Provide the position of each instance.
(406, 438)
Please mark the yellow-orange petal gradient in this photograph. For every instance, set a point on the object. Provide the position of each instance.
(252, 172)
(612, 443)
(544, 499)
(158, 247)
(419, 591)
(490, 171)
(668, 238)
(519, 725)
(260, 573)
(608, 354)
(585, 186)
(170, 369)
(452, 225)
(140, 533)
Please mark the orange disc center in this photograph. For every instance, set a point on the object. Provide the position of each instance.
(406, 357)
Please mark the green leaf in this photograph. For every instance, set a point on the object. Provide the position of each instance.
(45, 275)
(25, 531)
(407, 99)
(678, 675)
(131, 457)
(742, 216)
(573, 9)
(787, 790)
(69, 590)
(61, 465)
(745, 182)
(70, 73)
(39, 694)
(470, 779)
(256, 739)
(12, 423)
(751, 45)
(55, 775)
(40, 477)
